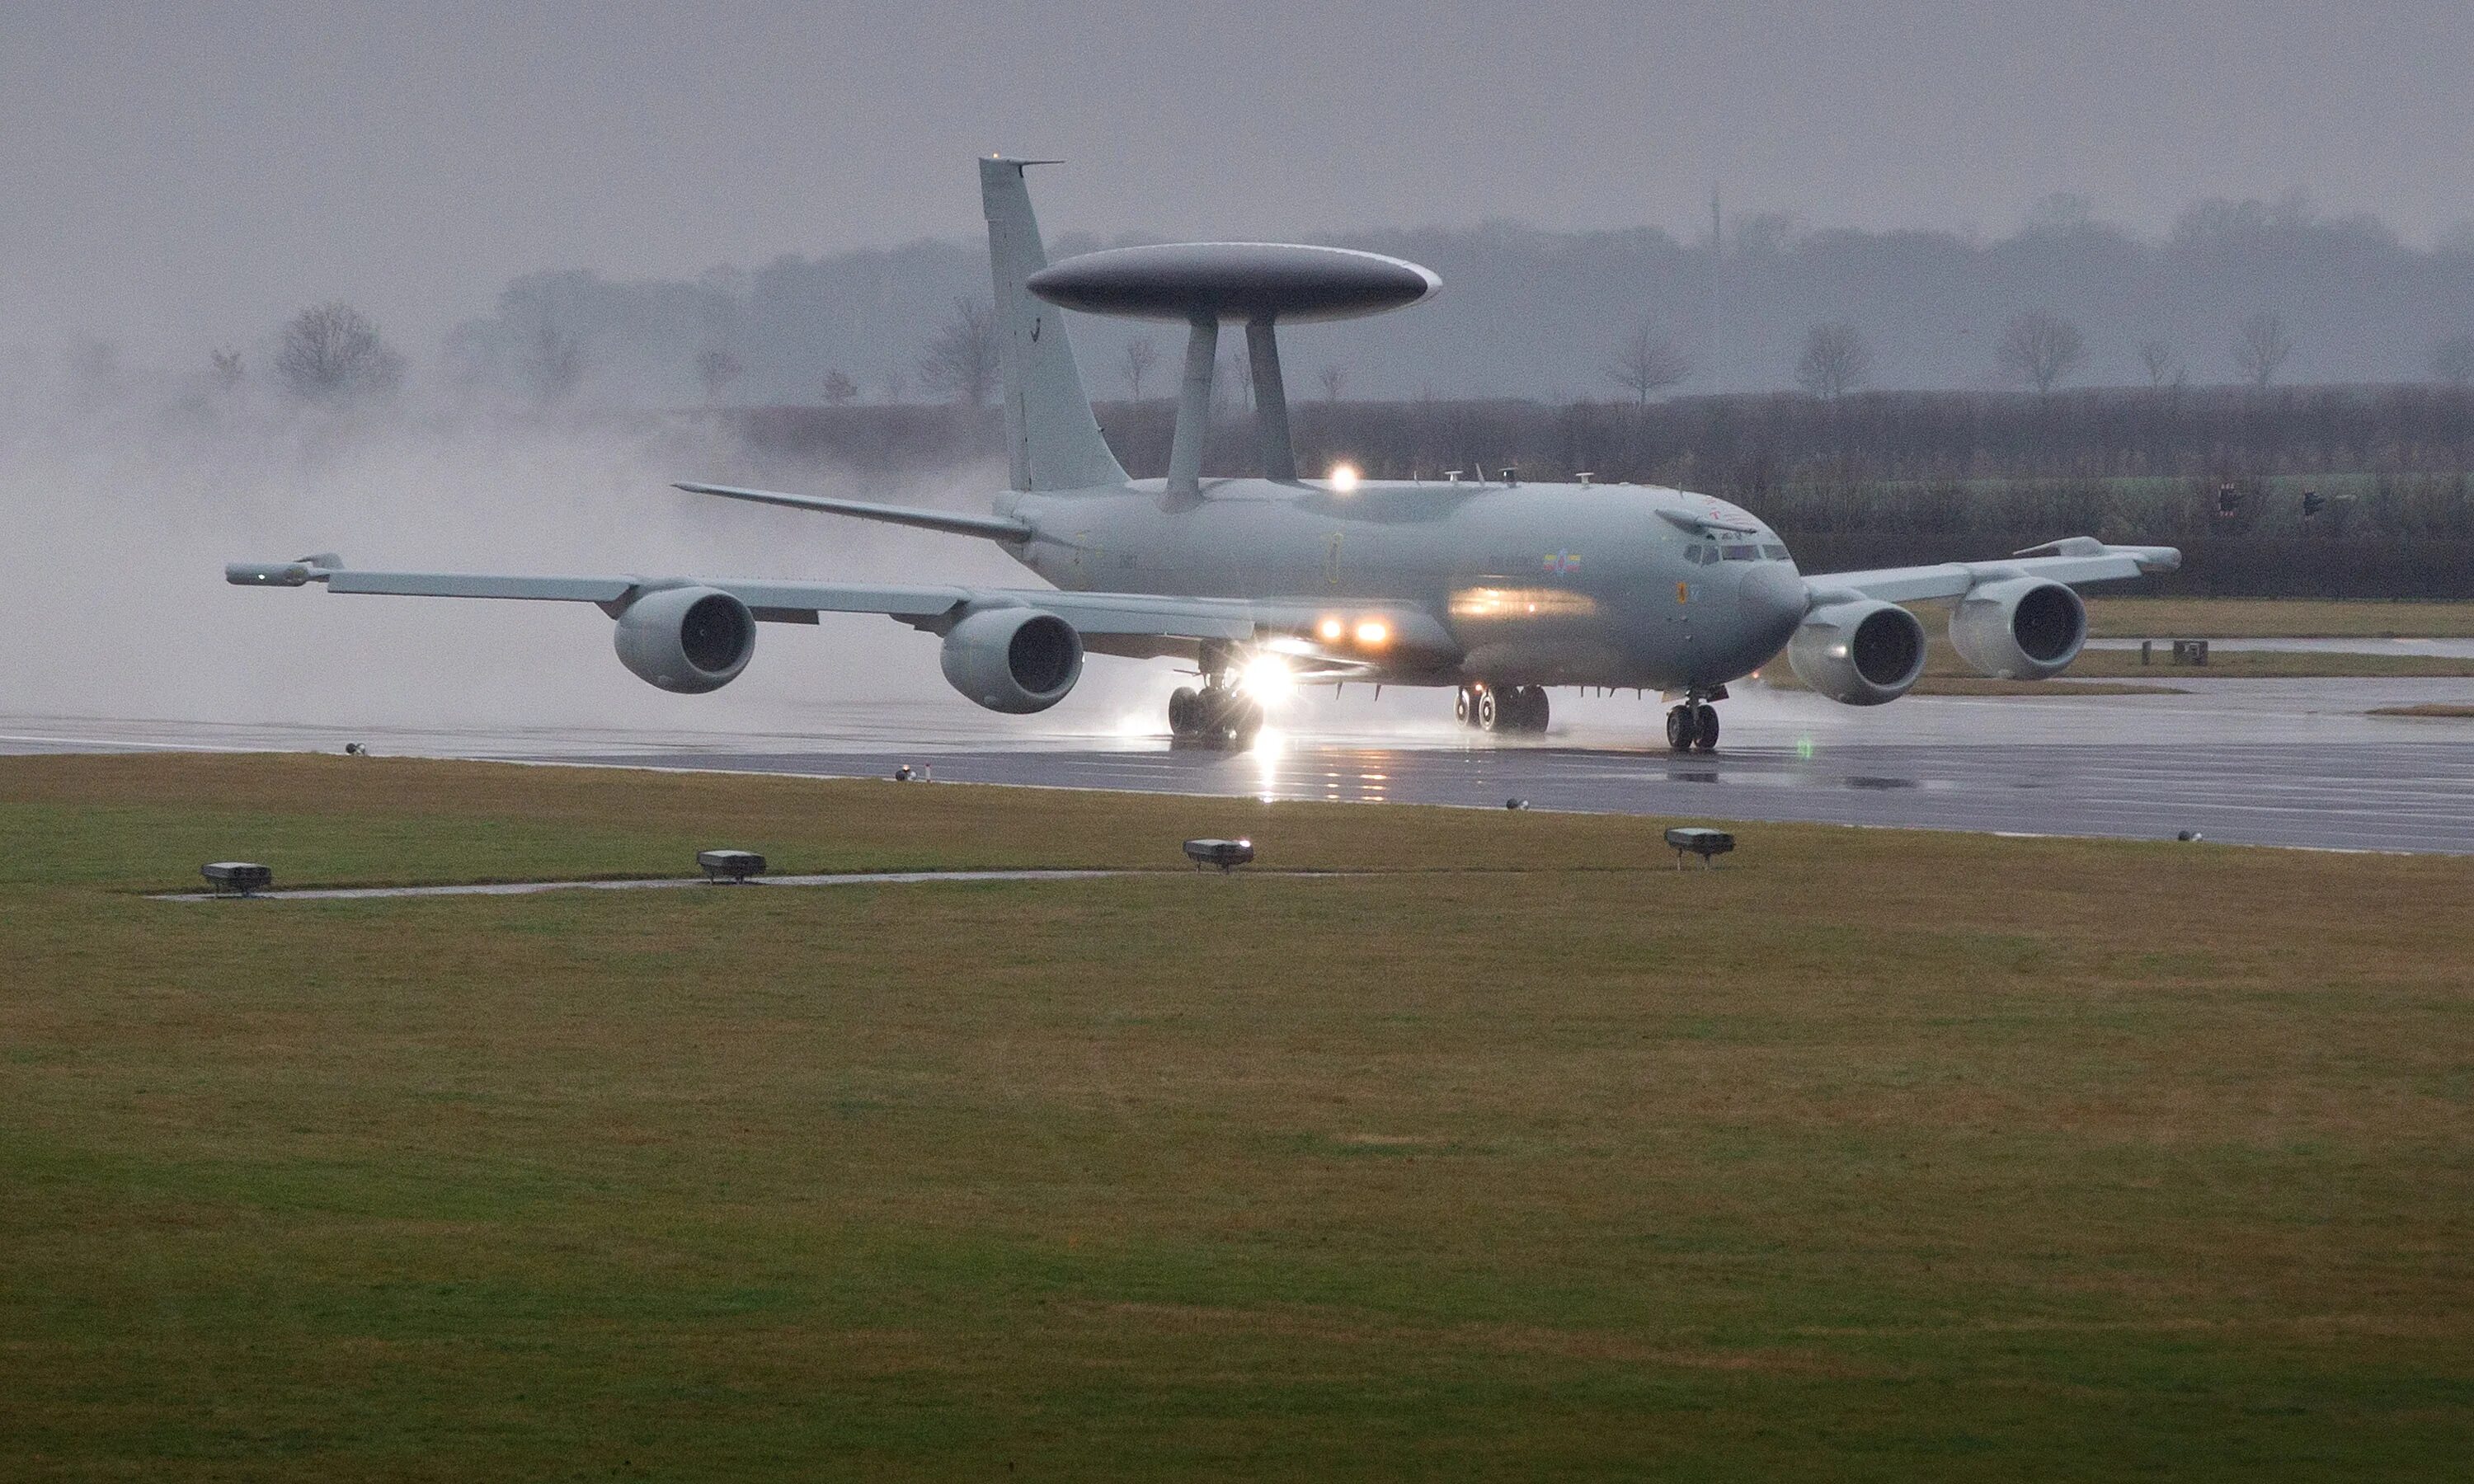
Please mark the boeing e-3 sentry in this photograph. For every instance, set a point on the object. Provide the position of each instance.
(1497, 587)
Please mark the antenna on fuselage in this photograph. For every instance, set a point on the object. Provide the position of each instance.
(1258, 282)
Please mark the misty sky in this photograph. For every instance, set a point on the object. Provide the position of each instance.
(177, 175)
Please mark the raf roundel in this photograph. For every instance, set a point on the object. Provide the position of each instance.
(1235, 280)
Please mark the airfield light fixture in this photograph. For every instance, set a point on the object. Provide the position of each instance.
(237, 878)
(730, 867)
(1373, 633)
(1708, 844)
(1344, 478)
(1227, 855)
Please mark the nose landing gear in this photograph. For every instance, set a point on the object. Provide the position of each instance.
(1693, 726)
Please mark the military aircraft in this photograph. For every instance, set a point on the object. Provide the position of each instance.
(1495, 586)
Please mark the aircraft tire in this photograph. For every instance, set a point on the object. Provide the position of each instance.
(1705, 729)
(1490, 710)
(1533, 709)
(1683, 728)
(1184, 713)
(1463, 707)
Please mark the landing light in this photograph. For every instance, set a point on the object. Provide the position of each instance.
(1344, 478)
(1332, 631)
(1267, 678)
(1373, 631)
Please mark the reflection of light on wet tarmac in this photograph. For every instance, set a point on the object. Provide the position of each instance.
(1270, 745)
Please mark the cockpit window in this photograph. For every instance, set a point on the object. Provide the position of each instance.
(1774, 553)
(1704, 555)
(1740, 553)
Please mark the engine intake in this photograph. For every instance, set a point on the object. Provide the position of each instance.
(1013, 660)
(2022, 627)
(686, 639)
(1861, 654)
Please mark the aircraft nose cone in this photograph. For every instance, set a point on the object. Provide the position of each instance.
(1772, 600)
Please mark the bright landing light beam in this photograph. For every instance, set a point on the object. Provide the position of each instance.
(1268, 678)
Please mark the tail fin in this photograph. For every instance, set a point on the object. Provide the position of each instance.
(1052, 439)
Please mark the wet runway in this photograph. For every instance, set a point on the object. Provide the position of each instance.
(2394, 797)
(2288, 764)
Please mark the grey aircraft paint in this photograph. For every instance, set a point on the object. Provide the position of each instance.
(1582, 585)
(1487, 583)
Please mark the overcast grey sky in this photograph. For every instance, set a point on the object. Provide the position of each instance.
(177, 174)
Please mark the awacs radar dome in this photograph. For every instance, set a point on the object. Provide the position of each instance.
(1234, 281)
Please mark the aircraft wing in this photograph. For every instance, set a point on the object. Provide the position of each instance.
(2072, 560)
(774, 600)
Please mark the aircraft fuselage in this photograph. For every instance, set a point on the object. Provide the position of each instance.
(1535, 583)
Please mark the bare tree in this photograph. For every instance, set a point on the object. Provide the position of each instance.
(840, 390)
(1646, 362)
(1141, 355)
(2452, 361)
(716, 370)
(1333, 379)
(960, 361)
(2162, 367)
(1836, 361)
(332, 354)
(553, 361)
(2259, 347)
(896, 384)
(227, 368)
(2039, 348)
(1235, 382)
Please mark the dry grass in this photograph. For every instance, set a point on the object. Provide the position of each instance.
(1967, 684)
(1870, 1155)
(2274, 619)
(2431, 709)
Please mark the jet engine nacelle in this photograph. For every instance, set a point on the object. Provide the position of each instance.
(686, 639)
(1016, 660)
(2022, 627)
(1862, 653)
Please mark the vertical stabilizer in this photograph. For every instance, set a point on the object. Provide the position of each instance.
(1052, 440)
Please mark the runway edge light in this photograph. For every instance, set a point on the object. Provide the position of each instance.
(1708, 844)
(237, 878)
(730, 867)
(1227, 855)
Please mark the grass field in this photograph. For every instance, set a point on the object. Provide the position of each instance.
(1869, 1156)
(2436, 711)
(2275, 619)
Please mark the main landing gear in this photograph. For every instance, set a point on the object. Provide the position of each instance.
(1506, 708)
(1693, 726)
(1219, 716)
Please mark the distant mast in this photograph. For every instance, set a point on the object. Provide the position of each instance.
(1716, 359)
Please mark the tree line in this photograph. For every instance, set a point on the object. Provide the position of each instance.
(2236, 293)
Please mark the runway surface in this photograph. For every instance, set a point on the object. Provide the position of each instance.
(2289, 763)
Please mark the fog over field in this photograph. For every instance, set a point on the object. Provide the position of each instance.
(122, 511)
(580, 237)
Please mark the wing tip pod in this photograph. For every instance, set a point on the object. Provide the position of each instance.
(299, 572)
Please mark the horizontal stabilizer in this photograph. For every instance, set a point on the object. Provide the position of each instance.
(996, 528)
